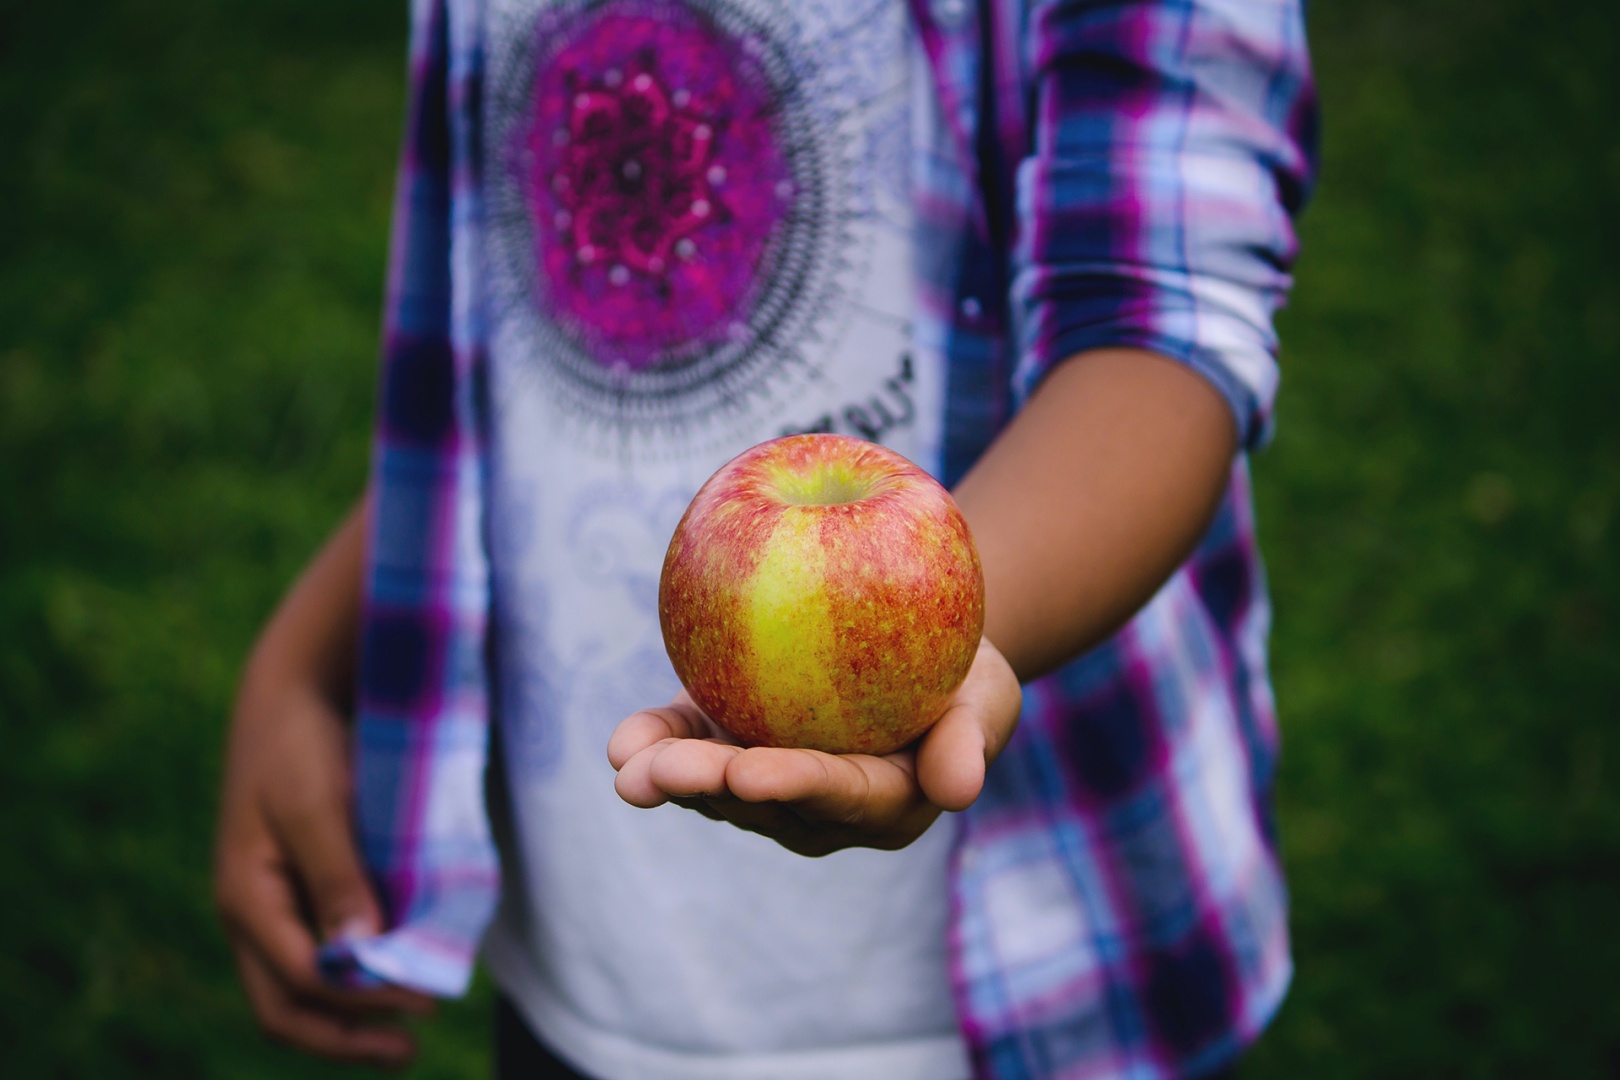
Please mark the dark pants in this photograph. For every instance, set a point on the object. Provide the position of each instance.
(519, 1055)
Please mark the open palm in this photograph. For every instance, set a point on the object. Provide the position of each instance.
(811, 802)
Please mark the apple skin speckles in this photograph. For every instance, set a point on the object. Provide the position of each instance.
(822, 592)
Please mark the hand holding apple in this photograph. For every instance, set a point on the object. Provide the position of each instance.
(823, 598)
(822, 592)
(812, 802)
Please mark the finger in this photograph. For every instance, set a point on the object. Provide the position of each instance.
(284, 1016)
(691, 774)
(313, 829)
(647, 728)
(261, 914)
(993, 691)
(954, 755)
(692, 767)
(697, 768)
(951, 760)
(634, 784)
(680, 719)
(846, 789)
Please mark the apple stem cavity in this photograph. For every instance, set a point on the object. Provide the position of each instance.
(823, 483)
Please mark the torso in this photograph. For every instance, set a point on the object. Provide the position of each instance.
(699, 237)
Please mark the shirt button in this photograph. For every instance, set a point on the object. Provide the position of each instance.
(971, 308)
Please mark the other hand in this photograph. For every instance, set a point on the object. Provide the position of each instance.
(286, 870)
(811, 802)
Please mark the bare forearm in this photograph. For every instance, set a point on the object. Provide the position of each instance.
(312, 639)
(1091, 498)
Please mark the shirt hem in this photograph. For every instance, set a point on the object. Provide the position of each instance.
(610, 1056)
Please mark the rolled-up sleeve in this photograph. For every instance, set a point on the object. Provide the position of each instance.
(1172, 144)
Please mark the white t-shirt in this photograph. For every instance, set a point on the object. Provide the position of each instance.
(700, 237)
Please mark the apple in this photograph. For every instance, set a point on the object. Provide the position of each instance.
(822, 592)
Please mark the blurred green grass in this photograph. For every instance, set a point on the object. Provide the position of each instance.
(193, 222)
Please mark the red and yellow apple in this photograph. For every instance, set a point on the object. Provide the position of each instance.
(822, 592)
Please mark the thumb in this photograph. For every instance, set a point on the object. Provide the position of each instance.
(320, 845)
(955, 754)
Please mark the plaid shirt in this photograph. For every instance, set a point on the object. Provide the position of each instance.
(1103, 174)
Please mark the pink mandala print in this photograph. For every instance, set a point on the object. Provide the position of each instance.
(657, 182)
(668, 220)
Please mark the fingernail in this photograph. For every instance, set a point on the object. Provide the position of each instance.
(357, 927)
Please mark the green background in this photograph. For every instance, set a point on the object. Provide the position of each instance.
(193, 221)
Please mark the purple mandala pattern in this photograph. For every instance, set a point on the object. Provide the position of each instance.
(669, 212)
(656, 183)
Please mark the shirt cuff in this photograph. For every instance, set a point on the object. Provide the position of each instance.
(1217, 328)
